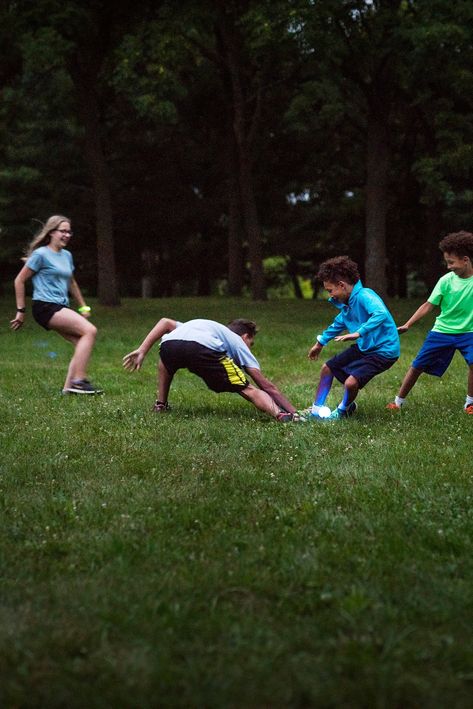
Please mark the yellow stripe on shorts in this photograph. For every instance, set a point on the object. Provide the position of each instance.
(234, 373)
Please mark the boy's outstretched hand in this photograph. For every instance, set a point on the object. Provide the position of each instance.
(315, 350)
(133, 360)
(348, 336)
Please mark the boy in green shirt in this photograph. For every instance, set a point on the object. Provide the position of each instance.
(453, 328)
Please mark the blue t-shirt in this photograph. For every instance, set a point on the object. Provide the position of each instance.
(216, 337)
(53, 273)
(366, 314)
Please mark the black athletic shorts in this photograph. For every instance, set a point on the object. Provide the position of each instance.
(43, 312)
(217, 369)
(361, 365)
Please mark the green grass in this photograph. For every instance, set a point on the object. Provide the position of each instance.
(213, 558)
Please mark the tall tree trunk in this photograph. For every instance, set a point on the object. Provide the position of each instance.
(401, 269)
(377, 163)
(250, 218)
(89, 112)
(291, 268)
(241, 126)
(235, 246)
(203, 274)
(235, 227)
(433, 233)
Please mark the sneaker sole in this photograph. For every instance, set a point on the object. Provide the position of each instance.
(77, 391)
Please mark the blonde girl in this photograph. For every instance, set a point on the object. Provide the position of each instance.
(49, 264)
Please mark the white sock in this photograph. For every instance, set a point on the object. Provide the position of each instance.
(468, 401)
(398, 401)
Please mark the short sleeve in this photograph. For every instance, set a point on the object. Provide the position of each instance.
(437, 294)
(35, 261)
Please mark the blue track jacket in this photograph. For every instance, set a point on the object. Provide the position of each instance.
(365, 313)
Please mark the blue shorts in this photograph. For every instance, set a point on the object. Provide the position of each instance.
(437, 352)
(361, 365)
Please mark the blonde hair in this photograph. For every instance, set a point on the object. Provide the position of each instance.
(42, 238)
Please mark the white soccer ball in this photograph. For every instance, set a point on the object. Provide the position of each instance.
(324, 412)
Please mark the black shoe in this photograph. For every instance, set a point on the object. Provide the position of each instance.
(82, 386)
(161, 407)
(286, 417)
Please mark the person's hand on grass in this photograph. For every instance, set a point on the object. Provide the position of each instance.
(133, 360)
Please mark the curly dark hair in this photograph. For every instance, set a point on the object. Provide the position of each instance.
(340, 268)
(243, 327)
(460, 243)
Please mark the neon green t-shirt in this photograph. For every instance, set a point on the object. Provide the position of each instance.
(454, 295)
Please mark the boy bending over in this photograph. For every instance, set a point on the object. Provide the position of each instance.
(369, 324)
(453, 328)
(219, 355)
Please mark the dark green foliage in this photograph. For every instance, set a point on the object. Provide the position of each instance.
(311, 74)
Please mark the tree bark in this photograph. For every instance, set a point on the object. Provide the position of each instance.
(89, 113)
(377, 163)
(242, 132)
(235, 247)
(433, 233)
(293, 275)
(253, 231)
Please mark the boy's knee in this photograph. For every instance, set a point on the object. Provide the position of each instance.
(325, 371)
(351, 383)
(248, 392)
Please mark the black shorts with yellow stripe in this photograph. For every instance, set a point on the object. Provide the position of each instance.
(217, 369)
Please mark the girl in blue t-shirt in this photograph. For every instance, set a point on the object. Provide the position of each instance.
(51, 268)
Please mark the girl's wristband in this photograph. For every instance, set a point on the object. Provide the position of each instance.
(84, 309)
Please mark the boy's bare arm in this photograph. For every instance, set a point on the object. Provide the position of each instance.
(418, 315)
(315, 350)
(267, 385)
(133, 360)
(346, 338)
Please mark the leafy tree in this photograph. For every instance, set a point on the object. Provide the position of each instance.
(80, 36)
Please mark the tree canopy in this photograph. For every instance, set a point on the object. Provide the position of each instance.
(196, 144)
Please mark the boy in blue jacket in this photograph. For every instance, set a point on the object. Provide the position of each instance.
(369, 324)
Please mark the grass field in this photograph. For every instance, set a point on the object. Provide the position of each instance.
(211, 557)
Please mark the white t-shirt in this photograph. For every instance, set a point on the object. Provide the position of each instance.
(216, 337)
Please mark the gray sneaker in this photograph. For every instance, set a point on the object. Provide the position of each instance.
(82, 386)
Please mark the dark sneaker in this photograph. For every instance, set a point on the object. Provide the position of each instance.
(161, 407)
(82, 386)
(286, 417)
